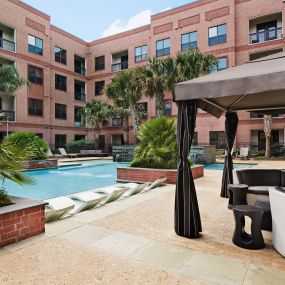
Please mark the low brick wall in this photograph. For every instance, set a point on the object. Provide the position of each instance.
(24, 219)
(41, 164)
(146, 174)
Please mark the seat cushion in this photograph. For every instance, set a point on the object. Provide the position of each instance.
(258, 190)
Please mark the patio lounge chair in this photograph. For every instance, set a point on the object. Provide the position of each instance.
(65, 154)
(49, 153)
(85, 201)
(57, 208)
(113, 193)
(243, 153)
(134, 188)
(155, 184)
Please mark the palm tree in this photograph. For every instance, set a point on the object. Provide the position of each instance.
(10, 80)
(267, 131)
(94, 113)
(125, 90)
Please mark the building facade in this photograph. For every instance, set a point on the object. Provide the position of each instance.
(65, 71)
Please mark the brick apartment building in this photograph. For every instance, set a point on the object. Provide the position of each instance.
(66, 71)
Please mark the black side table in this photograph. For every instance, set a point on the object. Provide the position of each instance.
(241, 238)
(237, 194)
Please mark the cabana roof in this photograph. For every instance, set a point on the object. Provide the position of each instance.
(254, 86)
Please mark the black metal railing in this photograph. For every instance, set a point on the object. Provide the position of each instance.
(35, 49)
(7, 115)
(265, 35)
(7, 45)
(80, 70)
(79, 96)
(120, 66)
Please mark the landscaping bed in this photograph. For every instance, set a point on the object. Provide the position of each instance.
(136, 174)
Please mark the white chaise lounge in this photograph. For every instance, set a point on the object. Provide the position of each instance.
(57, 208)
(65, 154)
(155, 184)
(134, 188)
(85, 201)
(113, 193)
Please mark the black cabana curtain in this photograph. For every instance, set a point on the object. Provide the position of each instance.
(231, 124)
(187, 221)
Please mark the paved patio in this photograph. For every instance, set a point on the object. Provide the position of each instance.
(132, 242)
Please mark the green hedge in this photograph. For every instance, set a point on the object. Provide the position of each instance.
(76, 146)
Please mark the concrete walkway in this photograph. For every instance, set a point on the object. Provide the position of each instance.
(132, 241)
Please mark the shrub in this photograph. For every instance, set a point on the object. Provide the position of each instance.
(156, 146)
(39, 146)
(76, 146)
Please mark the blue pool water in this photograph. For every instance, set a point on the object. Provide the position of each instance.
(220, 166)
(62, 181)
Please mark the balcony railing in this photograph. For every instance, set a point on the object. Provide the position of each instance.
(79, 96)
(120, 66)
(78, 124)
(7, 45)
(7, 115)
(80, 70)
(265, 35)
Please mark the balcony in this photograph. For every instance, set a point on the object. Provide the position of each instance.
(79, 65)
(266, 28)
(7, 38)
(120, 61)
(6, 115)
(79, 91)
(80, 96)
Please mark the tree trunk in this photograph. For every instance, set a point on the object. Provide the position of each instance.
(125, 123)
(159, 105)
(267, 131)
(135, 116)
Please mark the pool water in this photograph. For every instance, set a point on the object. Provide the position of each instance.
(62, 181)
(220, 166)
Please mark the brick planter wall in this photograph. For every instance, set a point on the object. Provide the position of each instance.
(147, 175)
(24, 219)
(41, 164)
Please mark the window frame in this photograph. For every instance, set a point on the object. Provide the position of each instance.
(60, 114)
(100, 88)
(61, 58)
(189, 42)
(170, 109)
(216, 67)
(39, 80)
(220, 38)
(164, 49)
(34, 48)
(143, 56)
(99, 66)
(61, 136)
(59, 84)
(35, 110)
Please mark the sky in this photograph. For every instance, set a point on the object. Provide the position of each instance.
(94, 19)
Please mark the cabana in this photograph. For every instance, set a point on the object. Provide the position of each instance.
(257, 86)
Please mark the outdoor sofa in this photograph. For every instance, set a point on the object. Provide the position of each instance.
(92, 153)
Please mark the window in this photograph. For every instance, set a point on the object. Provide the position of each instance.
(79, 90)
(79, 137)
(143, 109)
(116, 122)
(99, 87)
(141, 53)
(60, 82)
(163, 47)
(167, 108)
(189, 41)
(60, 55)
(79, 65)
(35, 107)
(221, 65)
(78, 116)
(101, 143)
(100, 62)
(218, 35)
(218, 139)
(35, 75)
(35, 45)
(60, 140)
(60, 111)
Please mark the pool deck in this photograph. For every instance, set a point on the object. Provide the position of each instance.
(132, 241)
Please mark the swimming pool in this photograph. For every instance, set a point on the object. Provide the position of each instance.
(62, 181)
(220, 166)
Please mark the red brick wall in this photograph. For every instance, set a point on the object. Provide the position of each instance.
(150, 175)
(41, 164)
(21, 224)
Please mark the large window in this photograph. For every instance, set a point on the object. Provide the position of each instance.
(79, 90)
(35, 107)
(116, 122)
(99, 87)
(60, 55)
(163, 47)
(60, 140)
(60, 111)
(100, 62)
(221, 64)
(141, 53)
(218, 35)
(60, 82)
(79, 137)
(35, 75)
(35, 45)
(218, 139)
(189, 41)
(167, 108)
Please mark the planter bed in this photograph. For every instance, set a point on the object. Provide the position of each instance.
(135, 174)
(41, 164)
(23, 219)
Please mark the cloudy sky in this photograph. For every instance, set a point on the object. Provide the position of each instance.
(93, 19)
